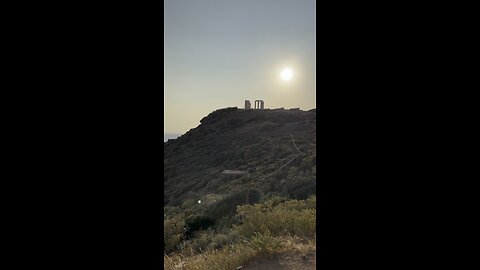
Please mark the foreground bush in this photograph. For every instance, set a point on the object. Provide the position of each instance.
(266, 229)
(226, 207)
(196, 223)
(287, 218)
(173, 232)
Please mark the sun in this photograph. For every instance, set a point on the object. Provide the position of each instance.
(286, 74)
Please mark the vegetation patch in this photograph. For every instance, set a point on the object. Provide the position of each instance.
(226, 207)
(276, 226)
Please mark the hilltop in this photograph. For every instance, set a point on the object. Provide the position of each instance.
(257, 142)
(240, 192)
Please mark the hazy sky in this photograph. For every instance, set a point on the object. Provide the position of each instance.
(218, 53)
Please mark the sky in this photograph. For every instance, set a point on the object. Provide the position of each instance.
(219, 53)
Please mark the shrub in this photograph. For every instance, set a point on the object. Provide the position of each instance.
(233, 236)
(312, 202)
(300, 188)
(287, 218)
(188, 203)
(220, 240)
(171, 210)
(276, 199)
(172, 232)
(265, 244)
(226, 207)
(201, 242)
(197, 223)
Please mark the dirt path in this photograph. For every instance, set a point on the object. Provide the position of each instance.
(285, 262)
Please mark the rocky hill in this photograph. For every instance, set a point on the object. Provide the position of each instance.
(235, 149)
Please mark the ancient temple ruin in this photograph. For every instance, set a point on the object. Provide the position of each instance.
(248, 105)
(259, 105)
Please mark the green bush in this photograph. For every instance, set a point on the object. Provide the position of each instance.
(265, 244)
(233, 236)
(196, 223)
(287, 218)
(188, 203)
(302, 189)
(220, 240)
(308, 162)
(276, 199)
(299, 185)
(201, 242)
(226, 207)
(223, 225)
(172, 232)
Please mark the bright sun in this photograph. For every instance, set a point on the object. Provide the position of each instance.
(287, 74)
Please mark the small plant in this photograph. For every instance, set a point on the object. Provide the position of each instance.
(265, 244)
(172, 232)
(219, 241)
(201, 242)
(196, 223)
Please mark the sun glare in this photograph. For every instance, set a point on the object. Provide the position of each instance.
(287, 74)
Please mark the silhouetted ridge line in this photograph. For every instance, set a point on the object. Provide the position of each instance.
(234, 148)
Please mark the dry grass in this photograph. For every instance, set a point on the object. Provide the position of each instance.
(269, 229)
(287, 218)
(233, 256)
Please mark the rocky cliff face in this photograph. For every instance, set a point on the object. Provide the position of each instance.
(258, 142)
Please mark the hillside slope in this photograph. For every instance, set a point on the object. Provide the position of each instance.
(257, 142)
